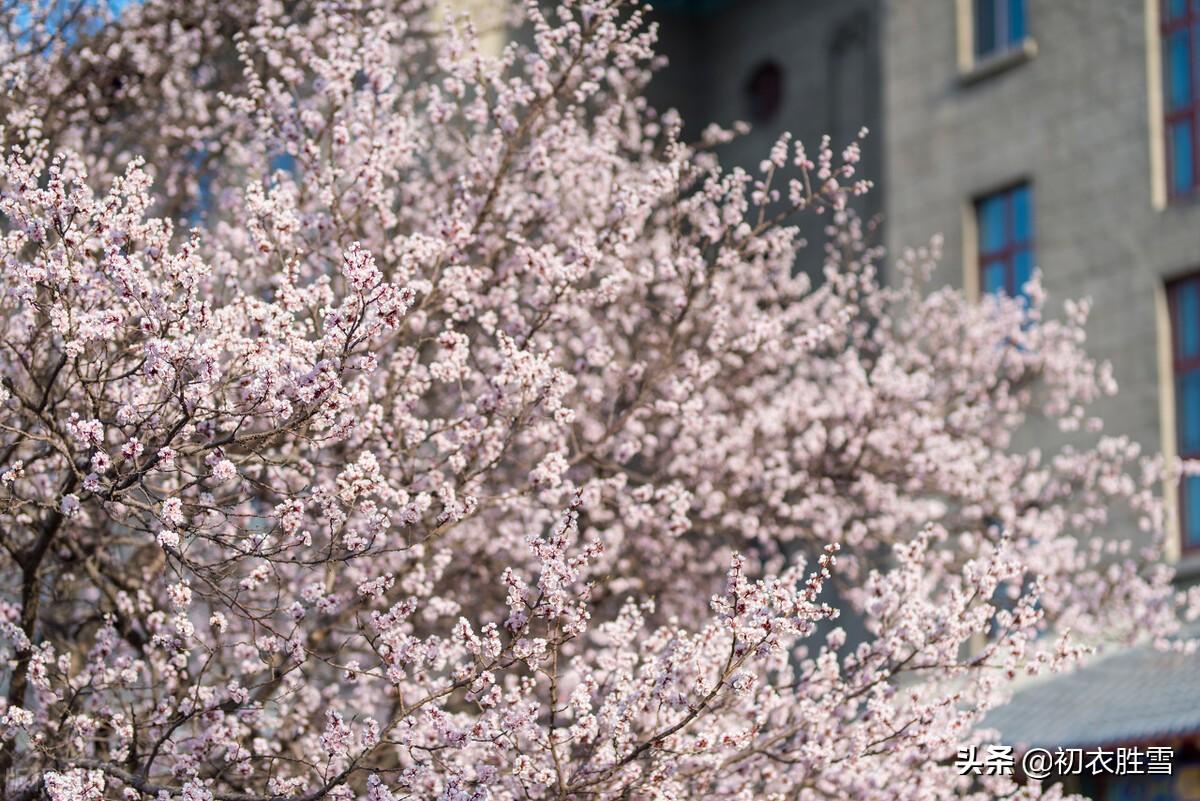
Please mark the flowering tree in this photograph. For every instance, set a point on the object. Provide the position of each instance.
(386, 419)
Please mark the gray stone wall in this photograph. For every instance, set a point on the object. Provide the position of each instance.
(829, 54)
(1075, 119)
(1071, 112)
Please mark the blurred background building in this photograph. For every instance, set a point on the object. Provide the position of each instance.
(811, 67)
(1057, 134)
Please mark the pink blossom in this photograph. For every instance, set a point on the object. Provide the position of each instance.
(422, 421)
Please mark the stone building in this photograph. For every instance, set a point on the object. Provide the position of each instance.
(810, 67)
(1061, 135)
(1073, 112)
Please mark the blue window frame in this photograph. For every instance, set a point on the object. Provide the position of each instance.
(1184, 300)
(999, 25)
(1005, 227)
(1180, 30)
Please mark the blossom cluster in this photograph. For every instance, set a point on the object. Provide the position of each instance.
(385, 417)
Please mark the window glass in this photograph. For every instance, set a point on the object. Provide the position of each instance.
(1022, 270)
(1184, 298)
(992, 235)
(1016, 21)
(1187, 320)
(999, 25)
(985, 27)
(1022, 214)
(1181, 156)
(993, 278)
(1191, 505)
(1188, 395)
(764, 91)
(1180, 30)
(1179, 81)
(1005, 227)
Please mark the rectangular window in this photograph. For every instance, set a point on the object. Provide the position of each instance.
(1181, 94)
(999, 26)
(1184, 300)
(1005, 229)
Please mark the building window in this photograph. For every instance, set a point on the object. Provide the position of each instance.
(850, 76)
(1184, 300)
(764, 91)
(999, 26)
(1005, 229)
(1181, 73)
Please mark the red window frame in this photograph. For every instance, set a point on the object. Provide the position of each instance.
(1006, 254)
(1189, 21)
(1180, 367)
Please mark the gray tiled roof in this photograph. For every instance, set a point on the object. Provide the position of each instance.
(1136, 695)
